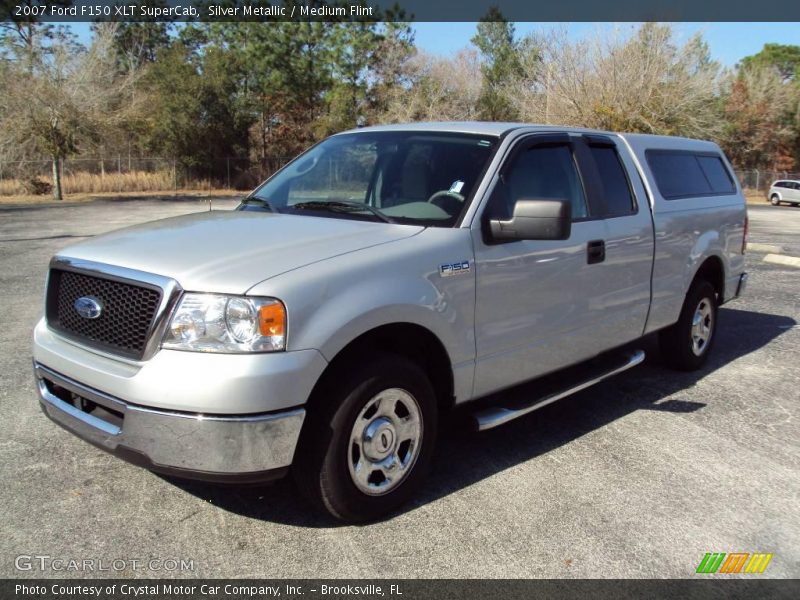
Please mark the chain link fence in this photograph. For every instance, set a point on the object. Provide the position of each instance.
(122, 174)
(755, 181)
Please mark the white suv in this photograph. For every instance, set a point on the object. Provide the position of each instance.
(784, 191)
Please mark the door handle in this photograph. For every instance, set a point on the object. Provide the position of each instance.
(595, 251)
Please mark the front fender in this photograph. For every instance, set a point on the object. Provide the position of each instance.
(331, 303)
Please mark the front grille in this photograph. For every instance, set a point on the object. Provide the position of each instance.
(125, 321)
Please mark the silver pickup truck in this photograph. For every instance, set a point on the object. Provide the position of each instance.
(381, 279)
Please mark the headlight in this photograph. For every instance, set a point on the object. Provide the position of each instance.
(216, 323)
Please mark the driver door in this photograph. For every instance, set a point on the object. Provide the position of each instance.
(533, 297)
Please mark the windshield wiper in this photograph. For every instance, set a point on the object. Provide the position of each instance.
(262, 201)
(342, 206)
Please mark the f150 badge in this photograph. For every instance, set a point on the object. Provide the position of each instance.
(457, 268)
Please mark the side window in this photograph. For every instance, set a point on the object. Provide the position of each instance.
(541, 173)
(616, 188)
(717, 174)
(678, 175)
(687, 174)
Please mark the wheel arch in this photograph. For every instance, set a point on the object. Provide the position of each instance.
(410, 340)
(712, 269)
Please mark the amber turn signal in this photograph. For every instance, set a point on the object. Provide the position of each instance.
(272, 319)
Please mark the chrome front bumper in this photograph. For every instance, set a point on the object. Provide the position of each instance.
(241, 448)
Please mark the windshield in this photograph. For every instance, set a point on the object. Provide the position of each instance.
(403, 177)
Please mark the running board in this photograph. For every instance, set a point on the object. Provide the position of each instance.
(494, 416)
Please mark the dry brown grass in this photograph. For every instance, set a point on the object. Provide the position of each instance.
(137, 181)
(755, 197)
(10, 187)
(182, 194)
(92, 183)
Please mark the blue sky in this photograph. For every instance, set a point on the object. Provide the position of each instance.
(728, 42)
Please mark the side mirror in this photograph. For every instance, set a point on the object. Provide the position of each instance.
(535, 220)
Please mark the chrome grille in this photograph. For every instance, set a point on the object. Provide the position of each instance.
(124, 325)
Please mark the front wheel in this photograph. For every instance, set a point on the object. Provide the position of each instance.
(369, 438)
(774, 200)
(687, 344)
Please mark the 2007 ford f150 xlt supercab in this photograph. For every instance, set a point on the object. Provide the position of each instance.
(379, 280)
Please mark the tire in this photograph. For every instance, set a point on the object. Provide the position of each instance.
(368, 439)
(686, 345)
(774, 200)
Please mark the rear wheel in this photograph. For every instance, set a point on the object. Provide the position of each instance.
(687, 344)
(774, 200)
(369, 438)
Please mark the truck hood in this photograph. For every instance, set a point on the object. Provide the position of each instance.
(231, 251)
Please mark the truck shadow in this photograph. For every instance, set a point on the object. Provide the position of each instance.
(650, 386)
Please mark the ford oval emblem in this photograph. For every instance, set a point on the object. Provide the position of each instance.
(88, 307)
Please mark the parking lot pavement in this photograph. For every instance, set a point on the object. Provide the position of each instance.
(780, 225)
(639, 476)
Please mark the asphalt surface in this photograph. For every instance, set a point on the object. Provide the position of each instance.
(639, 476)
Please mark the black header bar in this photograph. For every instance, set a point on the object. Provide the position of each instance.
(701, 588)
(400, 10)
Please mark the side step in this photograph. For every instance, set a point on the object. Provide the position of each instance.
(493, 416)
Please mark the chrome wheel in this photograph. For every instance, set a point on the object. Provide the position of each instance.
(702, 326)
(385, 441)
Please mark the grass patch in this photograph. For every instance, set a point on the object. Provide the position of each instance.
(755, 197)
(182, 194)
(95, 183)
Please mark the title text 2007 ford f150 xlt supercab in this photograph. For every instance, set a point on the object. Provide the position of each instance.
(382, 278)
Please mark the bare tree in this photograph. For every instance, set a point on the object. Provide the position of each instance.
(644, 82)
(66, 101)
(439, 89)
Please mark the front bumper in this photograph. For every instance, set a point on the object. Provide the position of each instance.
(188, 382)
(236, 448)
